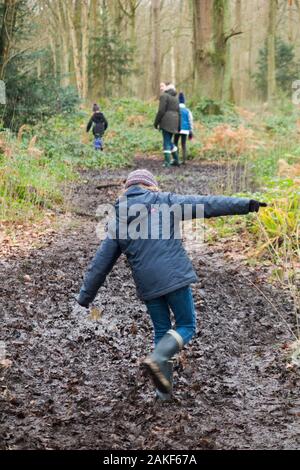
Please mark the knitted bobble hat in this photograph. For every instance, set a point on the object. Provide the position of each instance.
(170, 86)
(141, 177)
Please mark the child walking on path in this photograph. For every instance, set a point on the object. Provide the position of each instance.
(186, 128)
(168, 121)
(160, 266)
(100, 124)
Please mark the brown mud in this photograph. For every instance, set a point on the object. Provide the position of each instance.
(75, 383)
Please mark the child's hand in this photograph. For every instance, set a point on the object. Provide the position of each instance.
(255, 205)
(191, 135)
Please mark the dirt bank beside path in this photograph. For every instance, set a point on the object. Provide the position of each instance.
(72, 383)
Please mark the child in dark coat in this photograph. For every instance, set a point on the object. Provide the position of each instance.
(99, 123)
(160, 266)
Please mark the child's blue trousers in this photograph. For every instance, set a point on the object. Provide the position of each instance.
(181, 303)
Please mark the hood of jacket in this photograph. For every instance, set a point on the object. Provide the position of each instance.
(98, 116)
(171, 92)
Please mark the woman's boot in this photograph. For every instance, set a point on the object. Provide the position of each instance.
(184, 155)
(175, 156)
(167, 163)
(156, 363)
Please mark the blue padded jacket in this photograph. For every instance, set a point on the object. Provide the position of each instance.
(159, 266)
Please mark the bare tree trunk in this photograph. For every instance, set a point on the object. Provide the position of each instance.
(203, 47)
(155, 7)
(237, 57)
(65, 61)
(64, 52)
(54, 58)
(85, 48)
(251, 45)
(173, 64)
(69, 11)
(271, 51)
(212, 59)
(226, 60)
(290, 22)
(7, 33)
(39, 68)
(103, 76)
(116, 12)
(127, 10)
(148, 88)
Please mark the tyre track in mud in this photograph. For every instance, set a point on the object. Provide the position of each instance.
(75, 383)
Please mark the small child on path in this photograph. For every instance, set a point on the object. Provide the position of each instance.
(100, 124)
(160, 266)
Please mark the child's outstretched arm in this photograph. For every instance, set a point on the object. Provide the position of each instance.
(216, 206)
(103, 262)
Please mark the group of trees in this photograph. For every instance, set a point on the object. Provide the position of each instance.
(240, 44)
(222, 49)
(87, 49)
(31, 93)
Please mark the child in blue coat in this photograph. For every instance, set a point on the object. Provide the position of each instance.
(186, 130)
(161, 268)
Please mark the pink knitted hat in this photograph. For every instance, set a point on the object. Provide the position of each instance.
(140, 177)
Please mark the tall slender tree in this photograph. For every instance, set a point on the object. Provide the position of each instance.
(156, 58)
(272, 5)
(85, 5)
(9, 17)
(70, 10)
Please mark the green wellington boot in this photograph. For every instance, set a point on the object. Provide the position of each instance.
(167, 163)
(184, 156)
(175, 156)
(169, 374)
(156, 363)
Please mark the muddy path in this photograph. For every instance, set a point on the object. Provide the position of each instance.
(74, 383)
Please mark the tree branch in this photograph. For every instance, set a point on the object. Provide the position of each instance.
(232, 34)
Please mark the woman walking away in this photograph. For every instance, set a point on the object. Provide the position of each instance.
(100, 124)
(160, 266)
(186, 129)
(168, 121)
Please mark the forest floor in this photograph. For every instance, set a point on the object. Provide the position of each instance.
(73, 382)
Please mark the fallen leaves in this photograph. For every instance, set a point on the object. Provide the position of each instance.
(95, 314)
(295, 356)
(134, 329)
(20, 238)
(5, 363)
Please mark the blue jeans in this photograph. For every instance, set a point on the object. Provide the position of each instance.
(181, 303)
(167, 141)
(98, 143)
